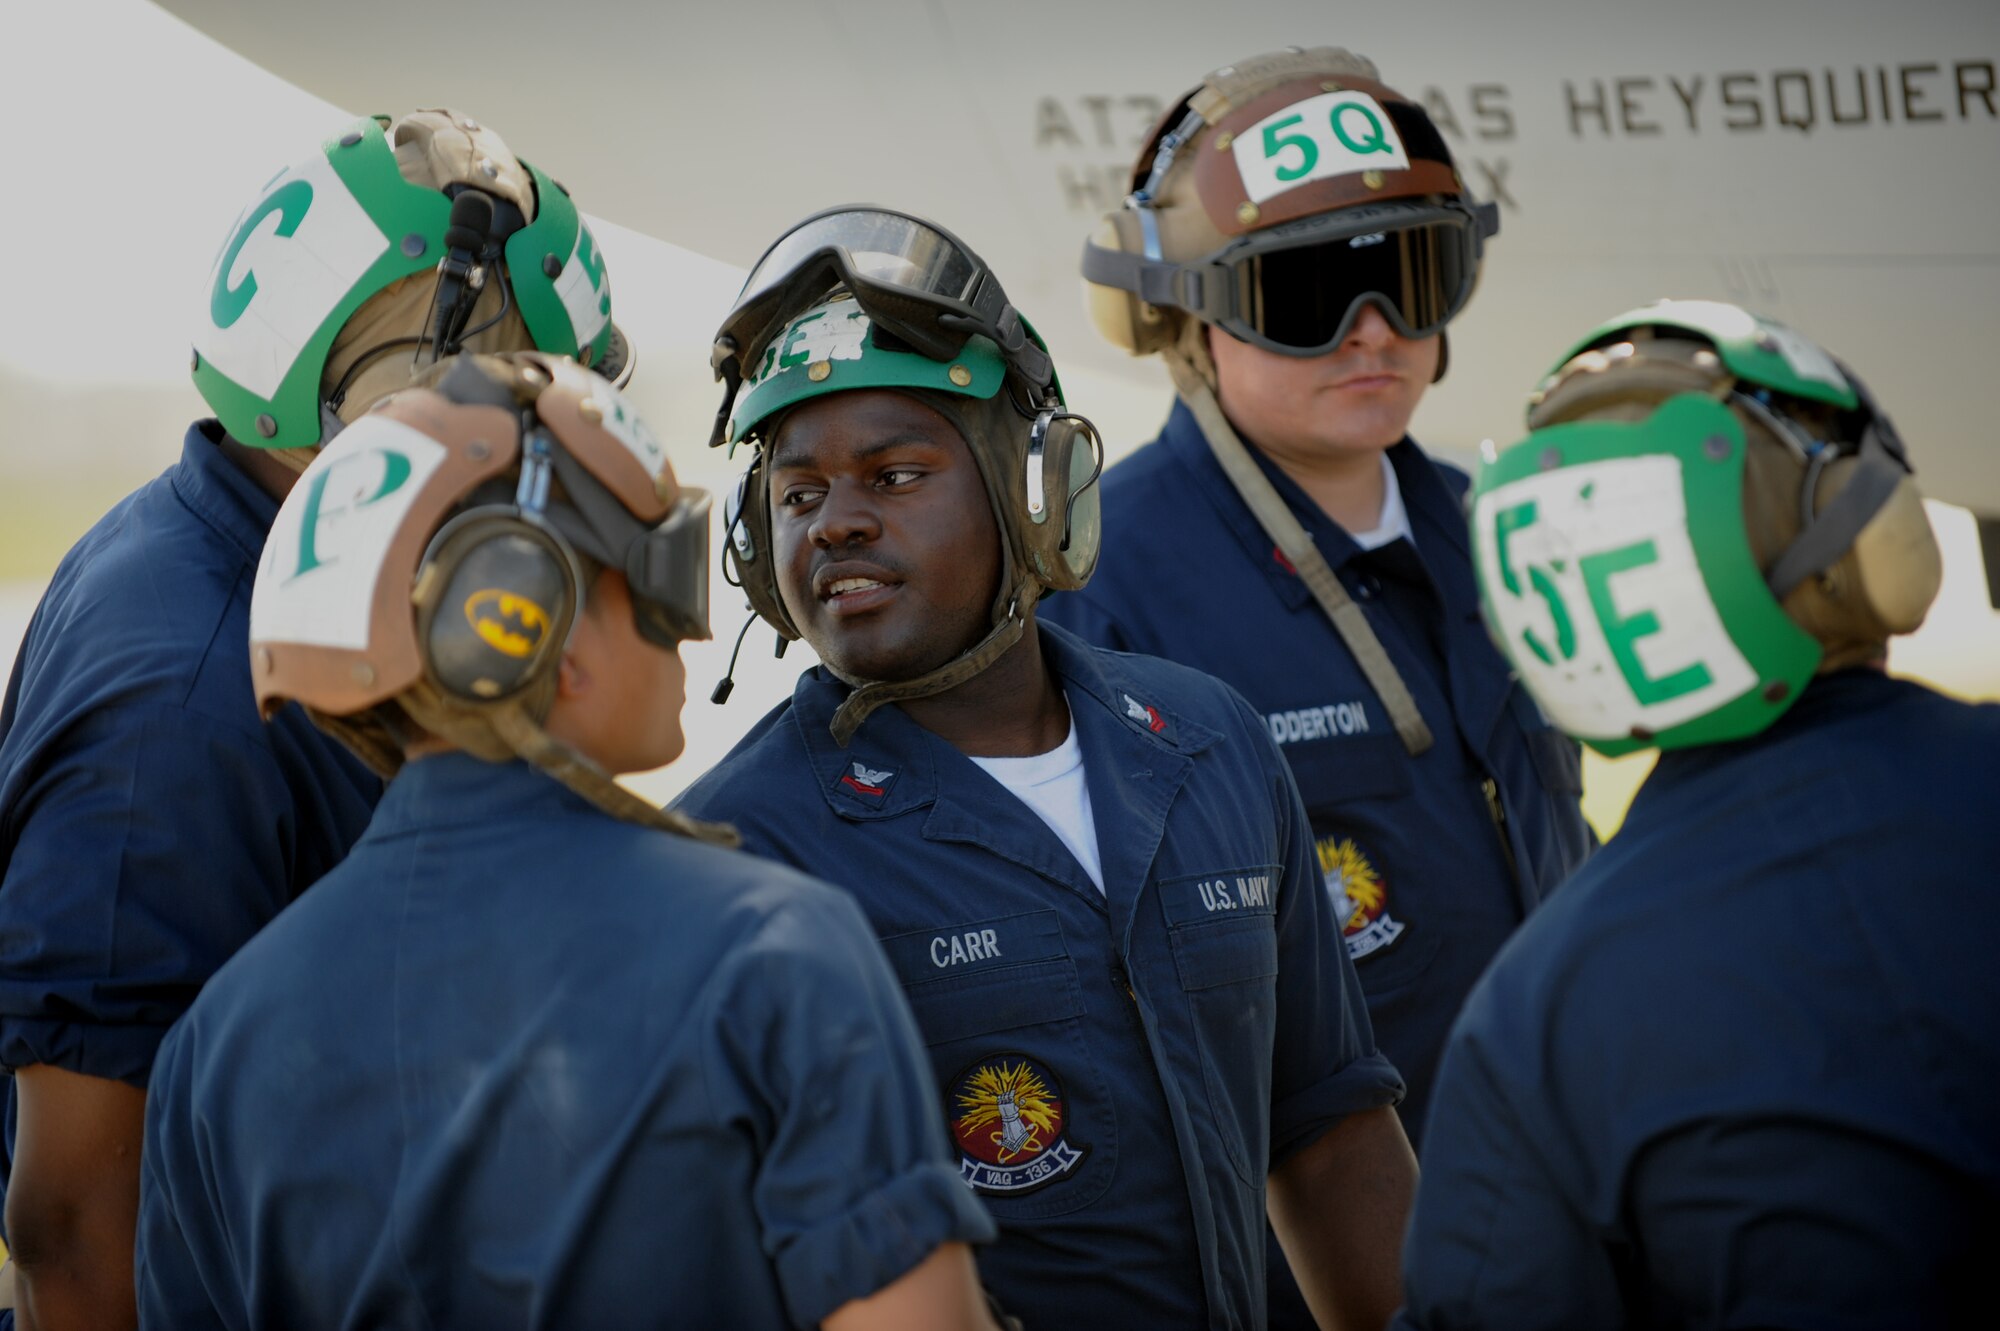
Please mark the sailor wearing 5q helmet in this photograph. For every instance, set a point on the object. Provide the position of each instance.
(1296, 245)
(149, 823)
(1090, 871)
(691, 1095)
(1744, 1070)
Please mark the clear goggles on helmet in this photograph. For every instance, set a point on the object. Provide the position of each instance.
(1297, 289)
(915, 280)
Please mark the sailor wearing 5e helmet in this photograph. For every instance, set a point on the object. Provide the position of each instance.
(1090, 871)
(686, 1052)
(1744, 1070)
(149, 823)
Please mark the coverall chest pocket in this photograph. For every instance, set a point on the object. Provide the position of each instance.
(1026, 1107)
(1223, 930)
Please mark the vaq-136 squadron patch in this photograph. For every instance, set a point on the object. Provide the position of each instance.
(1008, 1116)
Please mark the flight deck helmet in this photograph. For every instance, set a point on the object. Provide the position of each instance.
(1708, 509)
(1274, 202)
(395, 243)
(424, 574)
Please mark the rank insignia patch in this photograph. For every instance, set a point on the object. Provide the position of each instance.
(861, 779)
(1144, 713)
(1360, 897)
(1008, 1117)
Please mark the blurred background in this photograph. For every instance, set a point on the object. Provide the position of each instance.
(1833, 163)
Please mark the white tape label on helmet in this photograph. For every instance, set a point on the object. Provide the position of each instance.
(1333, 134)
(294, 255)
(316, 581)
(623, 424)
(837, 330)
(583, 289)
(1591, 576)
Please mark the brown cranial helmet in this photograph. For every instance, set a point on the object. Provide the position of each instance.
(1276, 200)
(424, 573)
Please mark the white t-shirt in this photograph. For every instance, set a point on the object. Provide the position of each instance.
(1395, 519)
(1052, 784)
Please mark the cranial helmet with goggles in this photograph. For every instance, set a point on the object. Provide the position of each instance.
(424, 574)
(393, 245)
(1274, 202)
(1708, 510)
(863, 297)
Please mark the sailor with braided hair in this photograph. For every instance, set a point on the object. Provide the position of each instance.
(545, 1054)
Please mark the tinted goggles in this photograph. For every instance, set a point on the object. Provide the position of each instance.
(914, 279)
(1297, 289)
(667, 568)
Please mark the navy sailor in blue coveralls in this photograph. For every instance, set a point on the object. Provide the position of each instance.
(1086, 868)
(1745, 1069)
(1430, 859)
(1294, 245)
(535, 1054)
(149, 823)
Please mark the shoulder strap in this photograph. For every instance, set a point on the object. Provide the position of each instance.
(1283, 528)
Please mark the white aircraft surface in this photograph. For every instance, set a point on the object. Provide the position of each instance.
(1833, 163)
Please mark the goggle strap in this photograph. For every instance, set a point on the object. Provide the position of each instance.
(1282, 526)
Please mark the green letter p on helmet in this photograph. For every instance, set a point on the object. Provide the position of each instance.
(328, 234)
(1616, 574)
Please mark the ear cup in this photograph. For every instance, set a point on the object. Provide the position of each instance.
(1886, 581)
(1120, 316)
(495, 597)
(1063, 528)
(747, 551)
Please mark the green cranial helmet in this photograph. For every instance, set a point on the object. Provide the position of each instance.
(1707, 510)
(1039, 469)
(393, 243)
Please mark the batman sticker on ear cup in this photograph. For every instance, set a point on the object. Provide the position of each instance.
(496, 598)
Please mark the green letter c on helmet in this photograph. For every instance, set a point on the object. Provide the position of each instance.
(226, 303)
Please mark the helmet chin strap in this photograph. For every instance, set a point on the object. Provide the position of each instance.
(871, 694)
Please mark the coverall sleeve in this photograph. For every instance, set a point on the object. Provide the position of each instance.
(816, 1051)
(1324, 1064)
(1493, 1242)
(146, 850)
(1783, 1222)
(173, 1206)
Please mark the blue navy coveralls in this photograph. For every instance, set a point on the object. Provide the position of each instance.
(517, 1063)
(150, 822)
(1744, 1070)
(1441, 856)
(1119, 1071)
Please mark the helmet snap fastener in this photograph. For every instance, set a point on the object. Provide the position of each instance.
(819, 370)
(1248, 214)
(1372, 179)
(590, 411)
(961, 376)
(1223, 140)
(267, 425)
